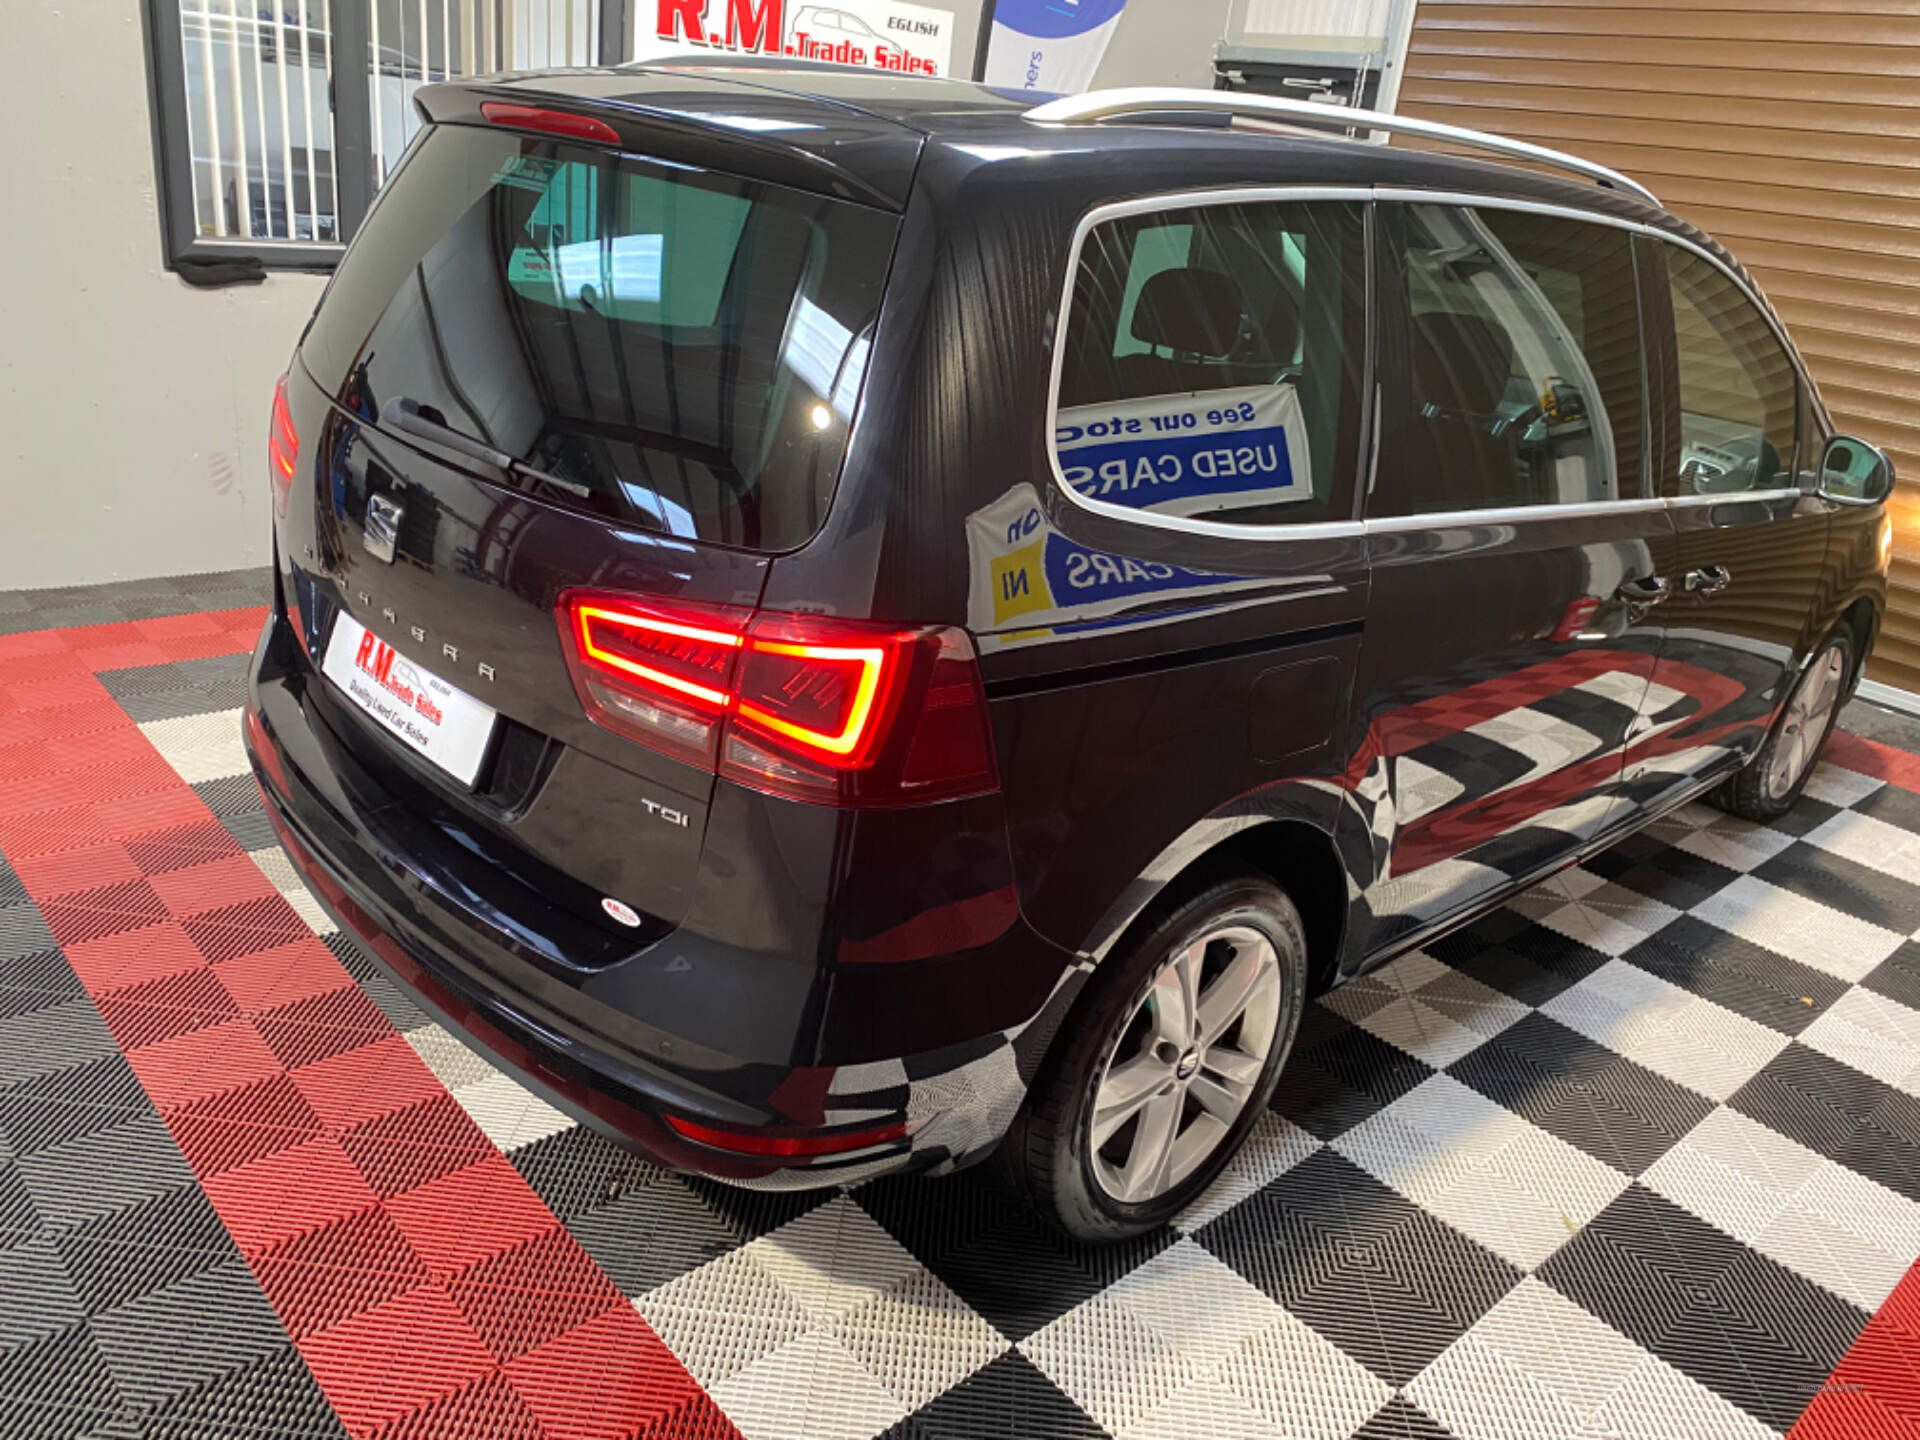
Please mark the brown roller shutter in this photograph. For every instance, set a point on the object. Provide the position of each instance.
(1792, 134)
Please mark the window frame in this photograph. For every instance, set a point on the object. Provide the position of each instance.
(1374, 196)
(182, 248)
(1657, 305)
(1361, 195)
(1634, 477)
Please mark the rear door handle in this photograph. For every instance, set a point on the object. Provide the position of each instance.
(1644, 590)
(1708, 580)
(1640, 594)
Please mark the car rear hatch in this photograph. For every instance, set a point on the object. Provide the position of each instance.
(582, 345)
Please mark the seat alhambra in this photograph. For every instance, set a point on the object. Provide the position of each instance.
(836, 624)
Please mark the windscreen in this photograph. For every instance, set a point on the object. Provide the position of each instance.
(671, 347)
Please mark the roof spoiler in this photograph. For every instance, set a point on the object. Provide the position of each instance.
(697, 129)
(1146, 102)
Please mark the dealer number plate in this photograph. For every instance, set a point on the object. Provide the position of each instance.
(446, 725)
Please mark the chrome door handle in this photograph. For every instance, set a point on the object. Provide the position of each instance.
(1708, 580)
(1640, 594)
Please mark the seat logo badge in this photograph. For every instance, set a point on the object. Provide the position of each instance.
(625, 914)
(382, 531)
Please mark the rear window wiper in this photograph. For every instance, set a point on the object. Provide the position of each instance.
(424, 422)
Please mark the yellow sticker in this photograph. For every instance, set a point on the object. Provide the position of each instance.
(1019, 584)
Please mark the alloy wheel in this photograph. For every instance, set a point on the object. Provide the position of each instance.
(1186, 1064)
(1804, 725)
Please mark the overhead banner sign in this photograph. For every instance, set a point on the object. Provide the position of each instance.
(871, 34)
(1052, 46)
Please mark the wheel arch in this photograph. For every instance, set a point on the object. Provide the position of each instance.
(1298, 855)
(1861, 619)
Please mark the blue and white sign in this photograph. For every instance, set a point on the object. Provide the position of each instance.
(1052, 46)
(1031, 585)
(1188, 454)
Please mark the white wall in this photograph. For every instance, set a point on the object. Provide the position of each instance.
(1164, 42)
(133, 408)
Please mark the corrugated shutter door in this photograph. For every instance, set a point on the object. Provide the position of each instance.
(1793, 135)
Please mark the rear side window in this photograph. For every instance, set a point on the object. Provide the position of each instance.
(1214, 361)
(1520, 381)
(1738, 398)
(679, 349)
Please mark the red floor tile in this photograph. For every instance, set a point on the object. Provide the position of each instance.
(292, 1097)
(470, 1215)
(263, 980)
(395, 1358)
(287, 1194)
(609, 1378)
(356, 1087)
(114, 962)
(326, 1275)
(203, 1063)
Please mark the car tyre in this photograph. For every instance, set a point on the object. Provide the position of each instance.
(1148, 1032)
(1772, 780)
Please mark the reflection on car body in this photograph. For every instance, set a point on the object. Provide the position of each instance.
(968, 652)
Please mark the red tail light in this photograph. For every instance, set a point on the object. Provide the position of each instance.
(659, 675)
(283, 448)
(549, 122)
(840, 711)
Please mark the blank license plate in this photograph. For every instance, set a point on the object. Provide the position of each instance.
(446, 725)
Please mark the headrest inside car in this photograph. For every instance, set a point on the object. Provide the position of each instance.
(1460, 362)
(1193, 312)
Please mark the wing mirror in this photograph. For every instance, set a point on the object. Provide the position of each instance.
(1855, 471)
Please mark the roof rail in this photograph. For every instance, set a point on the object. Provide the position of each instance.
(1147, 100)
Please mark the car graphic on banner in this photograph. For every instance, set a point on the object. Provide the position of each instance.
(871, 34)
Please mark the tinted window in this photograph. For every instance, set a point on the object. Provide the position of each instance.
(681, 349)
(1520, 379)
(1738, 399)
(1214, 360)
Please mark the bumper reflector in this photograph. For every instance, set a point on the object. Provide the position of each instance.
(779, 1143)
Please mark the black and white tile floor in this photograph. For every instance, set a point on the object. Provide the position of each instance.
(1637, 1155)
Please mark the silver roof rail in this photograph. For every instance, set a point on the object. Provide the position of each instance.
(1145, 100)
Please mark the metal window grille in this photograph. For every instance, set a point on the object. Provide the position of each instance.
(275, 121)
(414, 42)
(260, 119)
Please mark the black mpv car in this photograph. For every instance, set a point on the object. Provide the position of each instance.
(835, 623)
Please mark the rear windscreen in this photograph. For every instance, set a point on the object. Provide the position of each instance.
(677, 349)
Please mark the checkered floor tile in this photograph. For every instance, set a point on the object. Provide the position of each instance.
(1637, 1155)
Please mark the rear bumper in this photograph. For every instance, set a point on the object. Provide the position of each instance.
(492, 962)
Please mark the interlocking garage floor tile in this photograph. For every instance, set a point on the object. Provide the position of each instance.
(1386, 1281)
(1841, 1113)
(1714, 1309)
(1633, 1156)
(1621, 1113)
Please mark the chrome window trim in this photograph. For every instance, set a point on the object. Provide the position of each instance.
(1146, 205)
(1747, 285)
(1513, 514)
(1347, 529)
(1734, 497)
